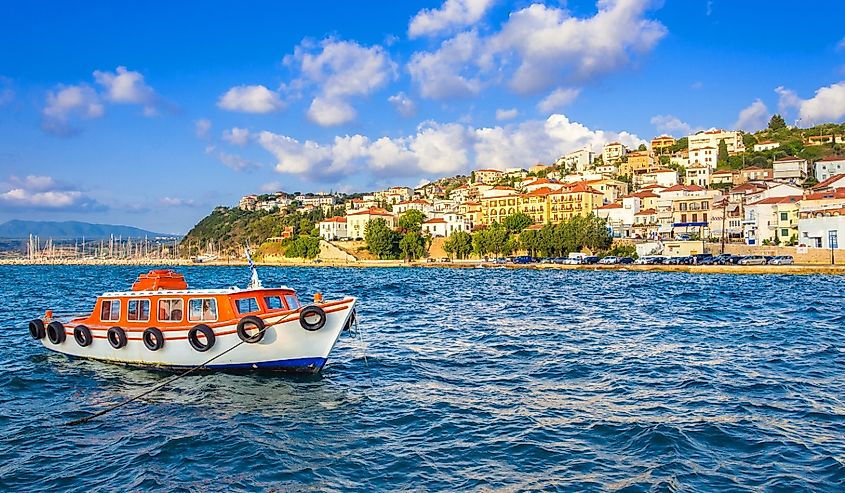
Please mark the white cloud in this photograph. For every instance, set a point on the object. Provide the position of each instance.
(202, 127)
(232, 161)
(672, 125)
(503, 114)
(539, 47)
(250, 99)
(559, 98)
(340, 70)
(828, 104)
(67, 104)
(448, 72)
(236, 136)
(127, 87)
(453, 14)
(45, 193)
(436, 149)
(328, 112)
(753, 118)
(840, 45)
(272, 186)
(177, 202)
(403, 104)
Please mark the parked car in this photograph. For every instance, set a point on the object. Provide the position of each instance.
(590, 259)
(699, 258)
(430, 260)
(752, 260)
(499, 260)
(625, 260)
(524, 259)
(609, 260)
(445, 260)
(782, 260)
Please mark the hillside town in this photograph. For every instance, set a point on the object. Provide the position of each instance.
(672, 189)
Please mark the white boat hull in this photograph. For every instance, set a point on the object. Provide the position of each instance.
(285, 346)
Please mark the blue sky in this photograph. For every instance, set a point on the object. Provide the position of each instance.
(152, 113)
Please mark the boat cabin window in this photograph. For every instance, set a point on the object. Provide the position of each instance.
(138, 310)
(274, 302)
(202, 310)
(292, 301)
(246, 305)
(170, 310)
(110, 311)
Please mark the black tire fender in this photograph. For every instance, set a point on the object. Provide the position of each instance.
(37, 329)
(251, 320)
(196, 343)
(153, 338)
(116, 337)
(82, 335)
(309, 312)
(56, 332)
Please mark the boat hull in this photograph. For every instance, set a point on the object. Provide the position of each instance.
(285, 346)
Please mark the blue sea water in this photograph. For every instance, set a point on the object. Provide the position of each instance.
(460, 380)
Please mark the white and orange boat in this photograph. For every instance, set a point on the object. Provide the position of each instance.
(161, 323)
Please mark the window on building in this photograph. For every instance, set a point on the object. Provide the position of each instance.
(110, 310)
(170, 310)
(704, 217)
(784, 232)
(247, 305)
(683, 218)
(695, 218)
(138, 310)
(784, 216)
(202, 310)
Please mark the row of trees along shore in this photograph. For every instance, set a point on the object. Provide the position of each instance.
(512, 235)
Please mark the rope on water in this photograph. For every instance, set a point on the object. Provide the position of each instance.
(165, 383)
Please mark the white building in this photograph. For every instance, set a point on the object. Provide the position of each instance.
(422, 205)
(609, 170)
(316, 200)
(663, 177)
(578, 160)
(766, 145)
(829, 166)
(712, 137)
(791, 169)
(356, 221)
(698, 174)
(333, 228)
(612, 152)
(444, 225)
(821, 219)
(704, 156)
(488, 176)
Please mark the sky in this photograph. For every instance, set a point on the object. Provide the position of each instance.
(151, 113)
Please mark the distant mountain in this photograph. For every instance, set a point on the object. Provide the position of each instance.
(71, 229)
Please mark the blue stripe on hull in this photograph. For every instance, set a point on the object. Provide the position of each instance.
(308, 365)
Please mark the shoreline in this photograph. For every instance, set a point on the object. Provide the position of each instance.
(805, 269)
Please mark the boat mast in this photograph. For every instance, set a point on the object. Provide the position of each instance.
(254, 281)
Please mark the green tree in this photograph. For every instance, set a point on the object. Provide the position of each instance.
(410, 221)
(303, 246)
(412, 246)
(381, 240)
(529, 240)
(776, 122)
(722, 159)
(679, 145)
(459, 244)
(748, 140)
(642, 147)
(517, 222)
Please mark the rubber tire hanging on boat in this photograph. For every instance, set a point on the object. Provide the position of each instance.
(36, 329)
(251, 320)
(310, 311)
(82, 335)
(153, 338)
(194, 340)
(116, 337)
(56, 332)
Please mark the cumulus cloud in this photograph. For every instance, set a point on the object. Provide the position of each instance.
(828, 104)
(232, 161)
(452, 15)
(503, 114)
(202, 127)
(436, 149)
(250, 99)
(403, 104)
(559, 98)
(539, 47)
(340, 70)
(753, 118)
(672, 125)
(236, 136)
(68, 104)
(45, 193)
(127, 87)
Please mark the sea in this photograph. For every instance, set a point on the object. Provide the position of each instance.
(456, 380)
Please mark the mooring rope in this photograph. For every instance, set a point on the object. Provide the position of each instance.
(166, 382)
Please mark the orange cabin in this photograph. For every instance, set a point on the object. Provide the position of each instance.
(157, 280)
